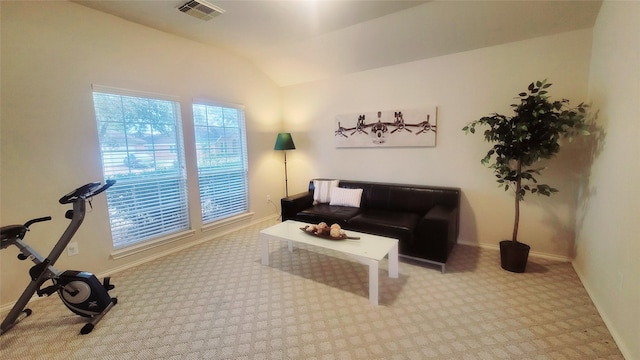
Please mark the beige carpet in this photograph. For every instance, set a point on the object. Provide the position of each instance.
(216, 301)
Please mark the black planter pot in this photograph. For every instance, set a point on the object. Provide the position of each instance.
(514, 255)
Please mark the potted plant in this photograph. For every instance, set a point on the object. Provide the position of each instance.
(519, 143)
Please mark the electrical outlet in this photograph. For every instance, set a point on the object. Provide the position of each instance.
(268, 198)
(73, 249)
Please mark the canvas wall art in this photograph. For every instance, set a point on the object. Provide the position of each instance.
(393, 128)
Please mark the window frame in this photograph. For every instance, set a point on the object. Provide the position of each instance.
(209, 221)
(179, 175)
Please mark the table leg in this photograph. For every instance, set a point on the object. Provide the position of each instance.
(264, 249)
(393, 262)
(373, 282)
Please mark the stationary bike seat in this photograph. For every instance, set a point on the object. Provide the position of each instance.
(10, 233)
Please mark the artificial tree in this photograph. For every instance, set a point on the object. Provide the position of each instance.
(521, 141)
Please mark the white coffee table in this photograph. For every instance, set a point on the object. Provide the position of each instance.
(369, 250)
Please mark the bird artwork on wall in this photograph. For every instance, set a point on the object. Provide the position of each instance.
(404, 128)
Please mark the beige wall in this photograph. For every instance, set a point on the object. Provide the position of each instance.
(594, 217)
(608, 241)
(53, 51)
(51, 54)
(464, 86)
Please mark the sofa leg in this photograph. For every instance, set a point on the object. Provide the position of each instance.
(442, 265)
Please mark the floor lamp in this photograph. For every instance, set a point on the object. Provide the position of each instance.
(285, 142)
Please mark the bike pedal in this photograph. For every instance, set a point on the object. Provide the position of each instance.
(106, 282)
(48, 290)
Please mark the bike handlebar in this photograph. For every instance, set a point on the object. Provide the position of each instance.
(86, 191)
(31, 222)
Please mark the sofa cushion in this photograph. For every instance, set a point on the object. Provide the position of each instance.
(373, 195)
(345, 197)
(322, 190)
(406, 198)
(394, 224)
(331, 214)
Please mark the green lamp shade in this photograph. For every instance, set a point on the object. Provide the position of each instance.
(284, 142)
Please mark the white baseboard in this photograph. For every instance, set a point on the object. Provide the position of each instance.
(616, 337)
(7, 307)
(540, 255)
(626, 352)
(179, 248)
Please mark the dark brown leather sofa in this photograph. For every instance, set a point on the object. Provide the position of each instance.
(425, 219)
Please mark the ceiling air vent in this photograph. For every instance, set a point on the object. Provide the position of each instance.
(201, 9)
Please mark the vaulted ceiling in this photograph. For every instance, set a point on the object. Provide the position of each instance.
(298, 41)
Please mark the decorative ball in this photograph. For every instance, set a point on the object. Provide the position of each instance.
(335, 232)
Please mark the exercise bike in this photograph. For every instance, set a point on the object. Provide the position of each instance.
(80, 291)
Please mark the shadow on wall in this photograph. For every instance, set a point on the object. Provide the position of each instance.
(569, 172)
(468, 225)
(594, 146)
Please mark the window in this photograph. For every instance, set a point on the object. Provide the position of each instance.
(141, 144)
(221, 153)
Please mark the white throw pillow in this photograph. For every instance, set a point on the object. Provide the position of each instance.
(346, 197)
(322, 190)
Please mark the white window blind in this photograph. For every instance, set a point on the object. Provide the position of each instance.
(141, 144)
(221, 153)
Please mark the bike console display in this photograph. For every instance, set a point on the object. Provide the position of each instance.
(86, 191)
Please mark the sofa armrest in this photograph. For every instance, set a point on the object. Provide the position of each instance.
(450, 216)
(293, 204)
(437, 232)
(438, 212)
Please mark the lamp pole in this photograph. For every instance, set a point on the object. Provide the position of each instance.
(286, 180)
